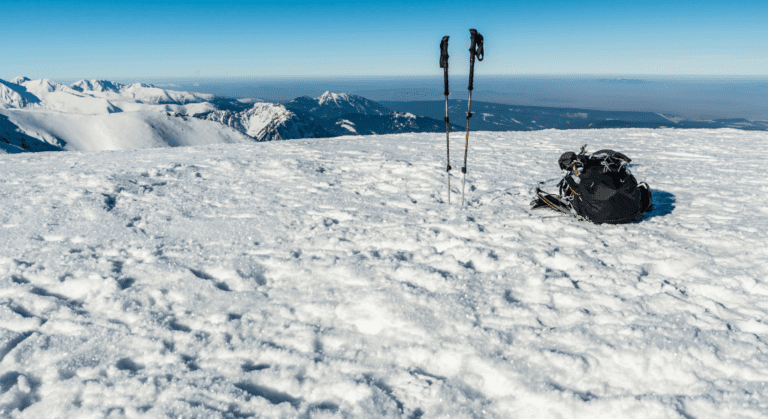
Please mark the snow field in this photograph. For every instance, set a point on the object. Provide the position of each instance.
(330, 278)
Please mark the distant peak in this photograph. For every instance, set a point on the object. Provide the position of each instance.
(96, 86)
(19, 79)
(332, 97)
(144, 85)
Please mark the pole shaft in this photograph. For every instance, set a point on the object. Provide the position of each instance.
(466, 147)
(447, 141)
(475, 49)
(444, 65)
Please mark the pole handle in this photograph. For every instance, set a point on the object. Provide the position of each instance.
(475, 50)
(444, 60)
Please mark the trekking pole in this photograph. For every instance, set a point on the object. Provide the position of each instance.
(475, 49)
(444, 64)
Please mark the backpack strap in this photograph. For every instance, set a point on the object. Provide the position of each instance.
(569, 188)
(552, 201)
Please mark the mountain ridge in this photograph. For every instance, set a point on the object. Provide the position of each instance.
(43, 115)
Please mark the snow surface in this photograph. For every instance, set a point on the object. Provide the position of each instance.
(330, 278)
(121, 131)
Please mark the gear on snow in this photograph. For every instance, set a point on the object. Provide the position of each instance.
(475, 50)
(444, 65)
(597, 187)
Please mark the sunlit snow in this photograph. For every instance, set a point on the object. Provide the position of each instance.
(330, 278)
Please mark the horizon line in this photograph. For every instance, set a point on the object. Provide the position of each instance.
(435, 76)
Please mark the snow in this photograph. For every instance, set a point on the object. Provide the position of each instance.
(19, 79)
(330, 105)
(12, 96)
(254, 120)
(121, 131)
(671, 119)
(153, 95)
(332, 97)
(102, 115)
(97, 86)
(348, 125)
(330, 278)
(250, 100)
(102, 97)
(266, 121)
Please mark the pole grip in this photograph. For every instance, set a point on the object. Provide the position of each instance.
(444, 60)
(475, 50)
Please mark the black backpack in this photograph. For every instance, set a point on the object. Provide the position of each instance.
(598, 187)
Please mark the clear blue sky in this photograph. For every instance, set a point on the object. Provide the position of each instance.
(175, 39)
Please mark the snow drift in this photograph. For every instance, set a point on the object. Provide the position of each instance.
(329, 278)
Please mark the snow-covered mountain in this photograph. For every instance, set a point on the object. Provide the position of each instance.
(334, 105)
(140, 92)
(331, 279)
(97, 86)
(267, 122)
(19, 79)
(42, 115)
(13, 96)
(102, 97)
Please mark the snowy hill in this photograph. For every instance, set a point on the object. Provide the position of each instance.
(333, 105)
(19, 79)
(119, 131)
(330, 278)
(103, 97)
(97, 86)
(42, 115)
(268, 121)
(139, 92)
(15, 96)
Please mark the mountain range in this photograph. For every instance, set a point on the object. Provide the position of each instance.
(489, 116)
(42, 115)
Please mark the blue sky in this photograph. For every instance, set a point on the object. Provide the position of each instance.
(175, 39)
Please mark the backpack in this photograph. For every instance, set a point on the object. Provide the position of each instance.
(597, 187)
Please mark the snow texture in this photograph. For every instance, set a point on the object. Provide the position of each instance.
(329, 278)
